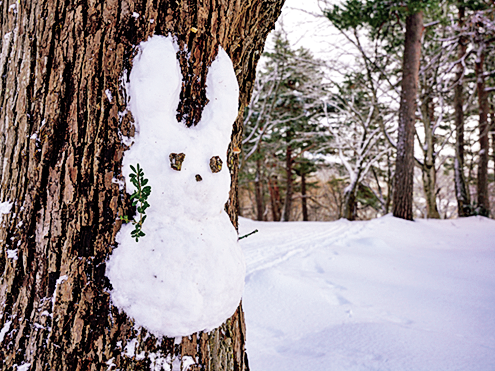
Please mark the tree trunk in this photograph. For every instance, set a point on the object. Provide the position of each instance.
(429, 172)
(304, 201)
(429, 185)
(492, 115)
(389, 184)
(404, 171)
(483, 202)
(350, 204)
(461, 190)
(289, 181)
(274, 198)
(62, 119)
(258, 189)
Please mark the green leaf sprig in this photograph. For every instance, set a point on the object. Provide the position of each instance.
(140, 199)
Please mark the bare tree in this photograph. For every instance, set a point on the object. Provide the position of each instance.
(355, 135)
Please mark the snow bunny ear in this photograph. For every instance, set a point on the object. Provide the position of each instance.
(155, 91)
(222, 91)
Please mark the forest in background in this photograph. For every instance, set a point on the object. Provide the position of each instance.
(320, 136)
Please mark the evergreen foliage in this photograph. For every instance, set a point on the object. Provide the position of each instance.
(139, 199)
(282, 124)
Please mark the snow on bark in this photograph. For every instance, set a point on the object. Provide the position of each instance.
(5, 329)
(5, 207)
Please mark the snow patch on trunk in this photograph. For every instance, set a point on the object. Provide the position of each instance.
(187, 273)
(5, 207)
(5, 329)
(12, 254)
(59, 281)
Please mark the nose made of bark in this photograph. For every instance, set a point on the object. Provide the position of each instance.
(215, 164)
(198, 178)
(176, 160)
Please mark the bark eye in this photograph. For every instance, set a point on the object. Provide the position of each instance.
(215, 164)
(176, 160)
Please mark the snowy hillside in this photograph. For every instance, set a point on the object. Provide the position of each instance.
(385, 294)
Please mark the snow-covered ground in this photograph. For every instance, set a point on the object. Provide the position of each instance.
(385, 294)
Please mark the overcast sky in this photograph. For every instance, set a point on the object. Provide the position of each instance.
(313, 32)
(306, 27)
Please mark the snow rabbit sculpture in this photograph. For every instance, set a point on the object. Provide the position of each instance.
(187, 273)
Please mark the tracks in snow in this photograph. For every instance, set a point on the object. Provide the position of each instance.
(265, 249)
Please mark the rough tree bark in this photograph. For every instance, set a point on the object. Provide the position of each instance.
(404, 171)
(61, 125)
(483, 201)
(461, 190)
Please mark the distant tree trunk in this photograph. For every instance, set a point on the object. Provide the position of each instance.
(493, 131)
(62, 116)
(483, 202)
(304, 202)
(274, 198)
(429, 172)
(404, 171)
(389, 185)
(350, 204)
(350, 194)
(429, 185)
(382, 198)
(461, 190)
(289, 180)
(258, 189)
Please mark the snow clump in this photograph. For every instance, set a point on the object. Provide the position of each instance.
(5, 207)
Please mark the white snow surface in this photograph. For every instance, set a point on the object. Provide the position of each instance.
(12, 254)
(385, 294)
(24, 367)
(5, 329)
(187, 273)
(5, 207)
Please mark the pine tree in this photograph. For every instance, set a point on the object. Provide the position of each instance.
(282, 123)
